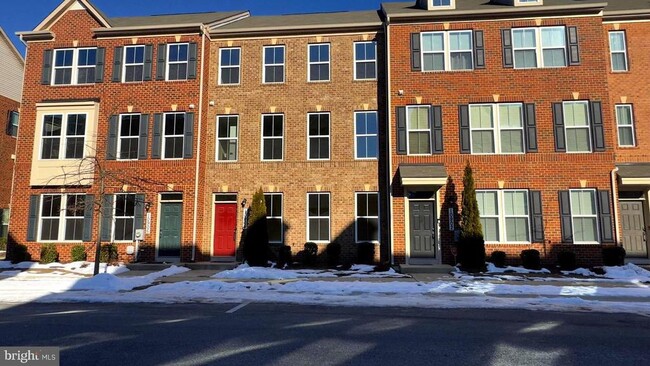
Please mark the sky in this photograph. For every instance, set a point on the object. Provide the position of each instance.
(25, 15)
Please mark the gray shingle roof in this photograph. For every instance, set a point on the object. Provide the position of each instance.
(634, 170)
(174, 19)
(422, 171)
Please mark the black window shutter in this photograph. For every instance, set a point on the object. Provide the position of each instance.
(565, 215)
(401, 130)
(188, 139)
(597, 127)
(117, 64)
(416, 61)
(143, 143)
(605, 217)
(148, 61)
(107, 218)
(436, 129)
(536, 217)
(139, 212)
(573, 48)
(465, 140)
(99, 65)
(506, 38)
(191, 65)
(89, 209)
(162, 59)
(111, 143)
(46, 76)
(531, 127)
(558, 127)
(32, 221)
(479, 50)
(156, 144)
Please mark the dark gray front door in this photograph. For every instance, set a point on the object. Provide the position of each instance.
(634, 237)
(423, 229)
(169, 242)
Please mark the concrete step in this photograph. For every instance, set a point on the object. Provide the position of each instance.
(430, 268)
(200, 266)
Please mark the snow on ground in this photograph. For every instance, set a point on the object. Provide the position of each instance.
(244, 271)
(6, 265)
(109, 282)
(629, 272)
(491, 268)
(80, 268)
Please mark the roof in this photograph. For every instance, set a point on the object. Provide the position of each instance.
(627, 9)
(634, 170)
(173, 19)
(422, 171)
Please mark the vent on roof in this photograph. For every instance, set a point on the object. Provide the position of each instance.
(519, 2)
(436, 4)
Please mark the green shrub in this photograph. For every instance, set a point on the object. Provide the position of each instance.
(366, 253)
(530, 259)
(498, 258)
(78, 253)
(567, 260)
(108, 254)
(3, 244)
(333, 252)
(310, 254)
(471, 246)
(49, 254)
(256, 240)
(614, 256)
(284, 257)
(19, 254)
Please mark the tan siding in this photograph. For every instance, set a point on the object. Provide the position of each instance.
(11, 72)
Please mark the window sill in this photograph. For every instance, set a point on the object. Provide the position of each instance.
(272, 160)
(276, 83)
(319, 81)
(628, 147)
(227, 161)
(72, 85)
(229, 85)
(445, 71)
(365, 80)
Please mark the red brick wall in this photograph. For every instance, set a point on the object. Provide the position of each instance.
(7, 149)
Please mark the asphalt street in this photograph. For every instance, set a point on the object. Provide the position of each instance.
(275, 334)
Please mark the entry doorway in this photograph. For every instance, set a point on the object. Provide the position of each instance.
(422, 231)
(225, 226)
(170, 226)
(634, 228)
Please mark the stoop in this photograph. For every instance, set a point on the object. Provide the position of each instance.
(430, 268)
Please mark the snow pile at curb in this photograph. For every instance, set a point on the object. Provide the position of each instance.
(81, 268)
(629, 272)
(245, 272)
(491, 268)
(109, 282)
(6, 265)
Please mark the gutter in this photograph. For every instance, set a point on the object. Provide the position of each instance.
(295, 30)
(389, 154)
(617, 234)
(198, 146)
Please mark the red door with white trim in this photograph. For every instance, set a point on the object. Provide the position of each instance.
(225, 229)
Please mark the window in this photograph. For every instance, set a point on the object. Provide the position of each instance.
(504, 216)
(173, 135)
(367, 217)
(272, 136)
(227, 134)
(133, 64)
(365, 130)
(497, 128)
(4, 229)
(274, 217)
(177, 61)
(365, 60)
(441, 3)
(74, 66)
(124, 218)
(318, 139)
(584, 216)
(319, 62)
(625, 122)
(273, 64)
(229, 66)
(318, 217)
(446, 51)
(12, 124)
(129, 139)
(62, 217)
(539, 47)
(576, 126)
(68, 138)
(618, 49)
(419, 130)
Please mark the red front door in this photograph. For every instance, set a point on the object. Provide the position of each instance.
(225, 229)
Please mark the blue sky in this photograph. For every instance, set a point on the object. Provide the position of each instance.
(24, 15)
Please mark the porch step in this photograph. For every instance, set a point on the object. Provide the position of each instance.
(431, 268)
(200, 266)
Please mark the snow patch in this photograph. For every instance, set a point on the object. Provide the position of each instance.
(80, 268)
(491, 268)
(109, 282)
(629, 272)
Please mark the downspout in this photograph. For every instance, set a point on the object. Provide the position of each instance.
(389, 154)
(198, 146)
(617, 233)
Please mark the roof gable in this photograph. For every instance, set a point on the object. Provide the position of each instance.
(10, 45)
(68, 5)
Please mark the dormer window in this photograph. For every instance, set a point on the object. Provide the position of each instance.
(441, 3)
(437, 4)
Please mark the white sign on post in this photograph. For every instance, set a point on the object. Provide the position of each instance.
(148, 224)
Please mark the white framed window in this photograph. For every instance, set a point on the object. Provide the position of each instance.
(365, 132)
(577, 126)
(177, 61)
(505, 215)
(133, 64)
(618, 50)
(5, 222)
(367, 217)
(318, 136)
(447, 51)
(272, 137)
(319, 62)
(443, 4)
(63, 141)
(584, 216)
(129, 137)
(74, 66)
(625, 123)
(62, 217)
(12, 124)
(539, 47)
(497, 128)
(318, 217)
(173, 136)
(229, 66)
(365, 60)
(124, 217)
(273, 68)
(227, 138)
(275, 225)
(418, 125)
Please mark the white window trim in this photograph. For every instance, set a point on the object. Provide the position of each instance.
(354, 69)
(447, 50)
(165, 136)
(310, 63)
(631, 126)
(75, 66)
(588, 127)
(115, 217)
(496, 130)
(264, 64)
(63, 145)
(16, 120)
(62, 218)
(222, 67)
(357, 135)
(573, 216)
(329, 137)
(612, 52)
(124, 63)
(329, 217)
(119, 136)
(539, 48)
(271, 137)
(356, 218)
(501, 215)
(281, 217)
(236, 138)
(408, 130)
(168, 62)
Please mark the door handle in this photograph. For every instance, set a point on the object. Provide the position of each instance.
(234, 235)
